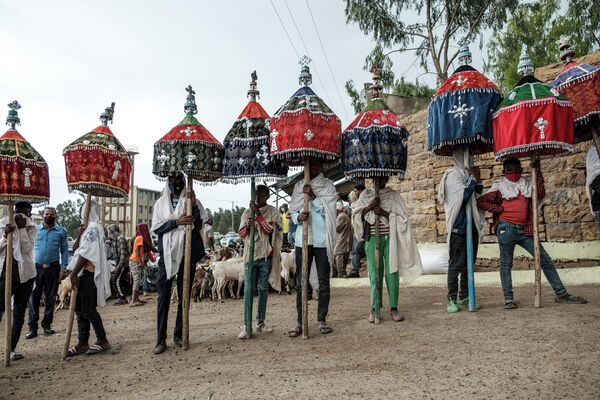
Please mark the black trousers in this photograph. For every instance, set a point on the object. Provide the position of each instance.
(323, 273)
(46, 282)
(458, 264)
(86, 310)
(20, 294)
(163, 288)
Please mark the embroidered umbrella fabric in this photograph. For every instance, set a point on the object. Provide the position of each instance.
(374, 144)
(246, 145)
(97, 163)
(189, 147)
(580, 83)
(305, 126)
(23, 171)
(532, 120)
(461, 110)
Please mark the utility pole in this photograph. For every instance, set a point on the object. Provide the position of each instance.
(232, 218)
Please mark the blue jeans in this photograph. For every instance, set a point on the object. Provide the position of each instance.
(510, 235)
(262, 270)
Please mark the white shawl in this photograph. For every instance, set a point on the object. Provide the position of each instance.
(91, 247)
(26, 265)
(510, 190)
(451, 194)
(173, 241)
(325, 191)
(404, 254)
(592, 170)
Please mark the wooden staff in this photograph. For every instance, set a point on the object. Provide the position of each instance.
(470, 246)
(8, 263)
(536, 237)
(596, 139)
(305, 265)
(378, 266)
(187, 263)
(86, 216)
(249, 276)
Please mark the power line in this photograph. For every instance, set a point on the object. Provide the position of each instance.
(307, 53)
(327, 60)
(285, 30)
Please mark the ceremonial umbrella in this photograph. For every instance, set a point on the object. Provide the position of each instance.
(96, 164)
(247, 157)
(374, 146)
(533, 121)
(189, 148)
(302, 128)
(460, 116)
(23, 177)
(580, 83)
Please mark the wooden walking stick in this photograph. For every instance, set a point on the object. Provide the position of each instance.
(8, 263)
(187, 263)
(305, 265)
(378, 266)
(86, 215)
(249, 276)
(470, 246)
(596, 139)
(536, 237)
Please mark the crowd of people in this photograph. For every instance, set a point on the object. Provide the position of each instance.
(335, 229)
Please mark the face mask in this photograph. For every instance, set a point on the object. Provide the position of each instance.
(513, 176)
(176, 187)
(50, 220)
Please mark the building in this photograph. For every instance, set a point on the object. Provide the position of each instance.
(119, 211)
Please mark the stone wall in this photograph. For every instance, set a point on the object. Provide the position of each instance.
(566, 216)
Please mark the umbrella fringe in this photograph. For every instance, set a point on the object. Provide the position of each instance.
(463, 91)
(579, 79)
(532, 103)
(514, 151)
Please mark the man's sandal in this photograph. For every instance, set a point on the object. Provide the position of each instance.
(297, 331)
(324, 328)
(77, 350)
(96, 349)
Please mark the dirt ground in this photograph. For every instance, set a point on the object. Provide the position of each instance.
(528, 353)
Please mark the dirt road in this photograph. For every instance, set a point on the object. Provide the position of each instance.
(547, 353)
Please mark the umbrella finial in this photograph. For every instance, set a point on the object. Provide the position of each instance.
(107, 115)
(13, 115)
(253, 93)
(566, 52)
(464, 54)
(376, 86)
(305, 75)
(525, 66)
(190, 104)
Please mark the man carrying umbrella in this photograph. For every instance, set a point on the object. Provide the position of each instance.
(168, 221)
(321, 239)
(23, 267)
(509, 199)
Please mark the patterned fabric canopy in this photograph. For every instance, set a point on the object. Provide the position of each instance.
(190, 148)
(580, 83)
(247, 145)
(460, 112)
(374, 144)
(97, 163)
(533, 121)
(305, 126)
(23, 171)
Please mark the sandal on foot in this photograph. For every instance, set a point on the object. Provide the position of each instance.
(570, 299)
(324, 328)
(137, 304)
(297, 331)
(14, 356)
(396, 316)
(510, 305)
(77, 350)
(261, 327)
(96, 349)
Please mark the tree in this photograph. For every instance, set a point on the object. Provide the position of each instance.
(222, 219)
(438, 23)
(68, 215)
(540, 25)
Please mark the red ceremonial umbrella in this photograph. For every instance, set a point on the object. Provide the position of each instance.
(23, 177)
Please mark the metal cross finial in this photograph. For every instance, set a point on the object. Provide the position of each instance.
(13, 115)
(107, 115)
(376, 86)
(253, 93)
(464, 54)
(190, 104)
(305, 75)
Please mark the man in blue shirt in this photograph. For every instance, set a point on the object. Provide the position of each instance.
(51, 258)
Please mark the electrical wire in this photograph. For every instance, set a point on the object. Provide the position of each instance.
(285, 30)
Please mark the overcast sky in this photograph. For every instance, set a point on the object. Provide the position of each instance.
(65, 61)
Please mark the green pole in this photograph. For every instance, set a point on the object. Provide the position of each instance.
(378, 265)
(249, 275)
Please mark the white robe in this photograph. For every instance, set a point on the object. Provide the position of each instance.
(592, 170)
(173, 241)
(325, 191)
(403, 251)
(23, 246)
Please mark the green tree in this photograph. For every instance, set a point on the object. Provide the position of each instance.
(222, 219)
(539, 25)
(433, 31)
(68, 215)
